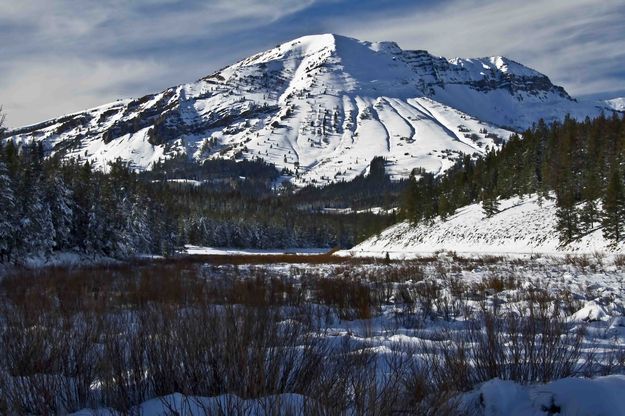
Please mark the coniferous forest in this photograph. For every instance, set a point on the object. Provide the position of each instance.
(580, 164)
(51, 205)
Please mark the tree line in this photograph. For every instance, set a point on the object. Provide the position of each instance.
(236, 204)
(50, 205)
(579, 163)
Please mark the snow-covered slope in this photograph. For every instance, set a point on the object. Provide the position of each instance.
(322, 107)
(523, 226)
(617, 104)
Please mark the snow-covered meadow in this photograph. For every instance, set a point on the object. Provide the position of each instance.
(442, 334)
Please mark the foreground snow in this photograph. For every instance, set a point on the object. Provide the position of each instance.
(597, 286)
(522, 227)
(182, 405)
(566, 397)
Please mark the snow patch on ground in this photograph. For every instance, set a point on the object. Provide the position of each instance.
(180, 404)
(221, 251)
(591, 312)
(566, 397)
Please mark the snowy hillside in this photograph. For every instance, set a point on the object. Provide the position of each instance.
(617, 104)
(523, 226)
(320, 107)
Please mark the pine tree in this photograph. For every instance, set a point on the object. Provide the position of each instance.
(490, 204)
(567, 216)
(444, 207)
(613, 218)
(59, 199)
(11, 158)
(138, 234)
(97, 239)
(409, 200)
(2, 119)
(84, 193)
(588, 215)
(7, 215)
(36, 226)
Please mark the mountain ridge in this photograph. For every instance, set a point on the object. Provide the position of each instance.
(320, 107)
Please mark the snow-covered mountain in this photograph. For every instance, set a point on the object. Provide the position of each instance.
(322, 107)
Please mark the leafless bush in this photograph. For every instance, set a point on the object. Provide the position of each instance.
(581, 261)
(427, 293)
(247, 338)
(619, 260)
(352, 298)
(495, 283)
(524, 349)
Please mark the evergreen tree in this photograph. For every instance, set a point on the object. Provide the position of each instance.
(98, 241)
(588, 215)
(7, 214)
(567, 216)
(36, 226)
(137, 234)
(84, 193)
(444, 207)
(409, 200)
(490, 204)
(2, 119)
(613, 218)
(59, 199)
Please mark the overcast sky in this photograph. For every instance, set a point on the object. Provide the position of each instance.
(61, 56)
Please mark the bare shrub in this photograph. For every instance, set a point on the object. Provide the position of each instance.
(581, 261)
(619, 260)
(523, 349)
(230, 339)
(352, 298)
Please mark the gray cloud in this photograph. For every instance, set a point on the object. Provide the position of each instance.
(41, 88)
(67, 55)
